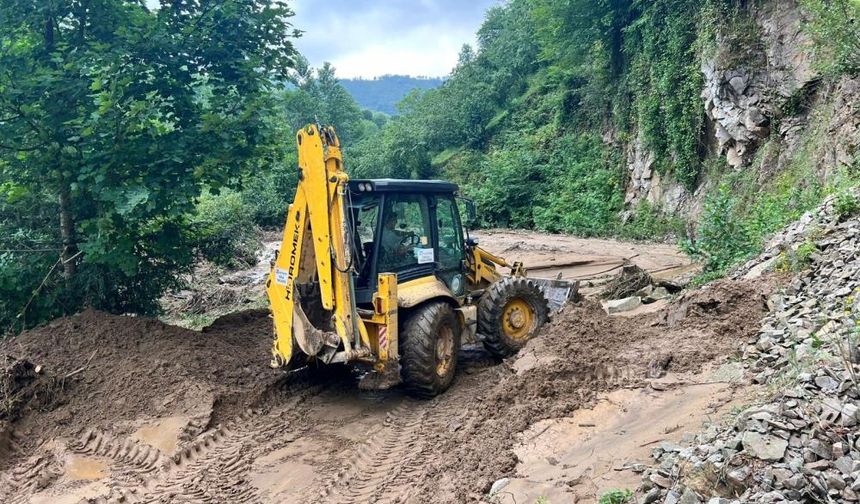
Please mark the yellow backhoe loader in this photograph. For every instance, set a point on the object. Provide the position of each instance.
(378, 273)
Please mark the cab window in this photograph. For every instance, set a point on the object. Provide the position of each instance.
(450, 240)
(365, 211)
(405, 236)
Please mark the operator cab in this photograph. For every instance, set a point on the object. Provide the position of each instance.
(408, 227)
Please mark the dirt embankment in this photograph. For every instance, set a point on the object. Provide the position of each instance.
(582, 353)
(110, 371)
(155, 413)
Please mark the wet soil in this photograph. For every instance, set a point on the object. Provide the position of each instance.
(590, 260)
(149, 412)
(215, 291)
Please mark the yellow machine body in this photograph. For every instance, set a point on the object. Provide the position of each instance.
(318, 249)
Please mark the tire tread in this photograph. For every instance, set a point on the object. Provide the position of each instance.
(418, 349)
(490, 313)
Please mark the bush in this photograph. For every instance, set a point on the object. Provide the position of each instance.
(21, 274)
(846, 204)
(616, 497)
(649, 223)
(513, 178)
(833, 26)
(723, 239)
(224, 230)
(584, 194)
(796, 260)
(267, 195)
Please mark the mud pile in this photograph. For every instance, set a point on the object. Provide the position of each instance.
(241, 433)
(583, 352)
(110, 370)
(22, 388)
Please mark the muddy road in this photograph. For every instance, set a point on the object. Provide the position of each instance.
(128, 409)
(591, 261)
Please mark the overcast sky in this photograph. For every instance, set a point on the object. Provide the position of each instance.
(366, 38)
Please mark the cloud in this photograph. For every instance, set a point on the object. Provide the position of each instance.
(368, 38)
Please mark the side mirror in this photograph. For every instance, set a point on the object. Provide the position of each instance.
(471, 218)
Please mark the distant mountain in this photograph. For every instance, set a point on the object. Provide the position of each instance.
(382, 94)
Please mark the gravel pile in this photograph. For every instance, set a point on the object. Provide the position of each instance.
(803, 443)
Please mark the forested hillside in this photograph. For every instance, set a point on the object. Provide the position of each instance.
(382, 94)
(712, 121)
(134, 142)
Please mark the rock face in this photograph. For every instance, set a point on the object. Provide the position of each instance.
(802, 444)
(761, 95)
(747, 85)
(647, 185)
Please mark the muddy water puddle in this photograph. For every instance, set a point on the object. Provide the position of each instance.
(162, 434)
(82, 468)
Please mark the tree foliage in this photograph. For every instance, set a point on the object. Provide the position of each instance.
(834, 28)
(548, 81)
(118, 117)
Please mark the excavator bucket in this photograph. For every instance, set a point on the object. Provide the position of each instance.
(557, 292)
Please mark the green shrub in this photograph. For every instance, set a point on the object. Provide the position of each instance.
(616, 497)
(583, 194)
(796, 260)
(846, 204)
(267, 195)
(833, 26)
(648, 223)
(224, 229)
(723, 239)
(21, 275)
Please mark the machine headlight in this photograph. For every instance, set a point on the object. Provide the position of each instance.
(457, 284)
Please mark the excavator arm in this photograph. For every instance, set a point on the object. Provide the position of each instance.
(315, 246)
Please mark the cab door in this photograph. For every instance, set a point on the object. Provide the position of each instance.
(449, 244)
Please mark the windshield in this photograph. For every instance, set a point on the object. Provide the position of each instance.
(365, 216)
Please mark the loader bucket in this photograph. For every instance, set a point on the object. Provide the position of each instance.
(557, 292)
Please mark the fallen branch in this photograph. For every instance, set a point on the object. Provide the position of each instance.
(82, 368)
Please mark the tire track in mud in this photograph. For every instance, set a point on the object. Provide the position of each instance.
(373, 463)
(30, 474)
(380, 469)
(217, 465)
(214, 467)
(18, 484)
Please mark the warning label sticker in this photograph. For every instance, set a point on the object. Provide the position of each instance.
(424, 255)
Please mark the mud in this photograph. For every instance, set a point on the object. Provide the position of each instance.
(149, 412)
(596, 450)
(586, 259)
(214, 291)
(111, 372)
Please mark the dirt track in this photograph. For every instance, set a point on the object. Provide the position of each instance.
(593, 261)
(133, 410)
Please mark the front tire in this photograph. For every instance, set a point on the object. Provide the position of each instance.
(510, 313)
(429, 346)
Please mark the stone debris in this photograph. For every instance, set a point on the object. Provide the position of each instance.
(803, 443)
(623, 305)
(499, 485)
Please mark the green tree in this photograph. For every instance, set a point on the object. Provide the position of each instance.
(833, 26)
(120, 116)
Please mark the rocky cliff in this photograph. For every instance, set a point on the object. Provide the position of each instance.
(764, 104)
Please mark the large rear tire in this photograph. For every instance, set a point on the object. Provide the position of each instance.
(510, 313)
(430, 342)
